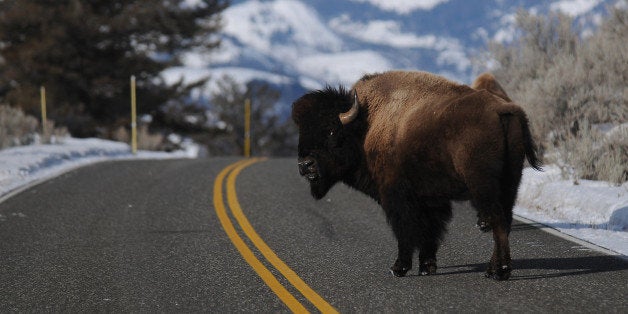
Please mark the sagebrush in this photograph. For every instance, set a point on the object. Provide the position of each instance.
(570, 85)
(18, 128)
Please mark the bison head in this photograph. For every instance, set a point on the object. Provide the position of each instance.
(327, 140)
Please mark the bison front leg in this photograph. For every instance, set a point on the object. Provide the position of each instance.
(434, 215)
(399, 219)
(427, 259)
(404, 258)
(395, 205)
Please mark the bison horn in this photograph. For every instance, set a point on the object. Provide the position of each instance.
(347, 117)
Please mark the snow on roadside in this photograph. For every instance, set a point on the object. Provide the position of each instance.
(23, 165)
(592, 211)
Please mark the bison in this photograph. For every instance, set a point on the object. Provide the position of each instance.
(415, 141)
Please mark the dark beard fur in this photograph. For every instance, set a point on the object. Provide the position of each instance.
(319, 189)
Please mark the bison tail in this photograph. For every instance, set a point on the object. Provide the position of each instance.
(529, 146)
(528, 143)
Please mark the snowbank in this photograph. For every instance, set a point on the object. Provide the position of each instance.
(593, 211)
(20, 166)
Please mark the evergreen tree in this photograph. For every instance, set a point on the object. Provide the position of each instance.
(84, 52)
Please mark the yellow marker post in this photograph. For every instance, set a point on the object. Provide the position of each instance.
(133, 117)
(42, 92)
(247, 128)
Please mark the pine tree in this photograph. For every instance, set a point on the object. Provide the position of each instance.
(84, 52)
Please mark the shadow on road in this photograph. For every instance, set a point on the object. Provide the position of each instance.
(526, 226)
(539, 268)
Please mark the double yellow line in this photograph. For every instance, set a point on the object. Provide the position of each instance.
(231, 172)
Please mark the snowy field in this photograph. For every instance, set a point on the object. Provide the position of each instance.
(595, 212)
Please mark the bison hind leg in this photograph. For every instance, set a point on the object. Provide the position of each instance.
(501, 273)
(500, 219)
(484, 222)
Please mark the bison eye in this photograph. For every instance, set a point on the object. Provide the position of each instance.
(333, 140)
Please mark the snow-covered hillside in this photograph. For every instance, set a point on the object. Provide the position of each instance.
(593, 211)
(299, 45)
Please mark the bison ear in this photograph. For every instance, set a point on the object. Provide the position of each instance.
(347, 117)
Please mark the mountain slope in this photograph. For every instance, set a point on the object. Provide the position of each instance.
(301, 45)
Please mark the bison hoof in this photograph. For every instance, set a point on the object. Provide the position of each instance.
(499, 273)
(484, 226)
(428, 268)
(399, 273)
(399, 270)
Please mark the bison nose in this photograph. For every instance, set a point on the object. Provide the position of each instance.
(304, 164)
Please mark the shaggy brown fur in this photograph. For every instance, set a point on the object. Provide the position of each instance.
(418, 142)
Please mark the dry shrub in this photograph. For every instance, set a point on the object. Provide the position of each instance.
(145, 140)
(16, 128)
(594, 155)
(568, 84)
(121, 135)
(53, 135)
(148, 141)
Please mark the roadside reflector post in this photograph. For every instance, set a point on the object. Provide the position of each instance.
(247, 128)
(133, 117)
(42, 92)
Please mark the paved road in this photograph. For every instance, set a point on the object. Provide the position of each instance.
(145, 236)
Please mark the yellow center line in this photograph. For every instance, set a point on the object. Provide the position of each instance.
(247, 254)
(293, 304)
(268, 253)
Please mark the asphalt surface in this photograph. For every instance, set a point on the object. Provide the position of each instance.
(144, 236)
